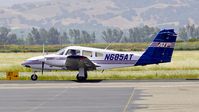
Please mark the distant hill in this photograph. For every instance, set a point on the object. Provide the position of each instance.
(98, 14)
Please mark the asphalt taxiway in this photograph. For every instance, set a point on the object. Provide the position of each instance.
(100, 96)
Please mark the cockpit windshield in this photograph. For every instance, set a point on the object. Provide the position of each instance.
(61, 52)
(73, 52)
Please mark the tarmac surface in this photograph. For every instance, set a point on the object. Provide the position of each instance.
(100, 96)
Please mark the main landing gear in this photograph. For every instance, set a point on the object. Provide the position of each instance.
(34, 77)
(82, 75)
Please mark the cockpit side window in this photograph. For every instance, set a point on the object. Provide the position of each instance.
(72, 52)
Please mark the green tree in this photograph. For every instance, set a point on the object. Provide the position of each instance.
(87, 37)
(30, 40)
(64, 39)
(12, 39)
(53, 36)
(141, 34)
(34, 37)
(4, 35)
(44, 35)
(75, 35)
(183, 34)
(107, 35)
(93, 38)
(117, 35)
(112, 35)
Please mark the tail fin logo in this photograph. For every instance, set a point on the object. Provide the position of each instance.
(164, 44)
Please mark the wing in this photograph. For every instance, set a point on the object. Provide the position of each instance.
(76, 62)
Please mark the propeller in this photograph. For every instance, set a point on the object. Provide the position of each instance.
(43, 50)
(42, 70)
(43, 61)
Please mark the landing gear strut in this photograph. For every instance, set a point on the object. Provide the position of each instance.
(82, 75)
(34, 77)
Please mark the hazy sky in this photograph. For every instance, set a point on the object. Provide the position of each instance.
(11, 2)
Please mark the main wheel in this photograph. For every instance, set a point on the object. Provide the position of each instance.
(81, 78)
(86, 74)
(34, 77)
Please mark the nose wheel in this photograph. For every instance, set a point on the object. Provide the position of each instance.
(34, 77)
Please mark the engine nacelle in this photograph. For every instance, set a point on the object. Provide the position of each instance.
(55, 60)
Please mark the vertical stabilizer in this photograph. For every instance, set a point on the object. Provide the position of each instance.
(161, 49)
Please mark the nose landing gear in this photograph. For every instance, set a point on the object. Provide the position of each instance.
(34, 77)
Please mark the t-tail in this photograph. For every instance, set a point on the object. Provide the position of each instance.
(160, 50)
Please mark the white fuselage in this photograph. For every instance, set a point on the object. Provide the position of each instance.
(104, 59)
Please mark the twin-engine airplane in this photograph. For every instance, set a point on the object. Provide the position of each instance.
(86, 59)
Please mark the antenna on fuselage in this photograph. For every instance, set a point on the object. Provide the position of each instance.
(111, 43)
(108, 46)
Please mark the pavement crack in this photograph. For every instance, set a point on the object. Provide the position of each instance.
(46, 101)
(129, 100)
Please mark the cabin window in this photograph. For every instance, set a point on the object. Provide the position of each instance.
(87, 53)
(97, 54)
(73, 52)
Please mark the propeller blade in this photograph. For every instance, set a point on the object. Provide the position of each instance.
(42, 70)
(43, 50)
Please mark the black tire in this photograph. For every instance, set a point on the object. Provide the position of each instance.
(77, 76)
(80, 78)
(34, 77)
(85, 74)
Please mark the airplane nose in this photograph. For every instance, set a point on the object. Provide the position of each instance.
(25, 64)
(33, 61)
